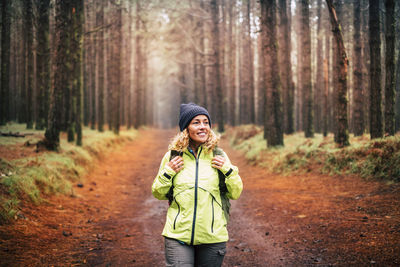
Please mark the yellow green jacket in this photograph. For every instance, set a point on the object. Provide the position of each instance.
(195, 216)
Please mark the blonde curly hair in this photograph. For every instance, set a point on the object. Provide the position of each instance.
(181, 141)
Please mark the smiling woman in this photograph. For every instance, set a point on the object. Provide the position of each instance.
(190, 178)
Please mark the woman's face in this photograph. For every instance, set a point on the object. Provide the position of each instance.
(199, 129)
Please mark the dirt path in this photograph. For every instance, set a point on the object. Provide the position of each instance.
(113, 220)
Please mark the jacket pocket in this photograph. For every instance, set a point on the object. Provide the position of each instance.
(179, 211)
(212, 218)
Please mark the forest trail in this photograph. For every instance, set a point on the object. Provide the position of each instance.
(301, 220)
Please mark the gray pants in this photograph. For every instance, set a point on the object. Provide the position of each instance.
(178, 254)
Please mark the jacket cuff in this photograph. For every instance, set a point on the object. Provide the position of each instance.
(168, 172)
(227, 170)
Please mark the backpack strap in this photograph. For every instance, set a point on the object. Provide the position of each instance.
(170, 194)
(222, 186)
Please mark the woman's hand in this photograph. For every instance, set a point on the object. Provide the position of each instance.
(217, 162)
(176, 164)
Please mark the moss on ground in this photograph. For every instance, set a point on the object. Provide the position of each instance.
(33, 178)
(372, 159)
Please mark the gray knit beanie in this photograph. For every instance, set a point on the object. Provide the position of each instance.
(188, 112)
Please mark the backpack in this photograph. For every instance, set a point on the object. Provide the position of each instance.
(226, 205)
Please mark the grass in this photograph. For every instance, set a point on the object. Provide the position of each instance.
(372, 159)
(37, 176)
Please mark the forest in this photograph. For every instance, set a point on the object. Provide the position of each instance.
(289, 66)
(303, 94)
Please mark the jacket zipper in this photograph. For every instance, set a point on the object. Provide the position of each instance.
(212, 222)
(179, 211)
(196, 185)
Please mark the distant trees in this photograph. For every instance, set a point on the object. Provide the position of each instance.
(134, 62)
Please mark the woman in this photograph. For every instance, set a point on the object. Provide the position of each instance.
(195, 230)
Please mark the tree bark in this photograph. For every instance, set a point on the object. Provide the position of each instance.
(30, 72)
(273, 127)
(52, 134)
(5, 61)
(100, 64)
(76, 54)
(390, 68)
(306, 82)
(319, 84)
(216, 49)
(231, 66)
(246, 81)
(398, 93)
(129, 66)
(286, 66)
(117, 71)
(43, 63)
(358, 111)
(325, 104)
(92, 69)
(342, 138)
(86, 70)
(138, 59)
(375, 70)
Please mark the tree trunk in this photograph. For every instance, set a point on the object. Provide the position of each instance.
(342, 138)
(30, 72)
(306, 82)
(325, 103)
(129, 65)
(390, 68)
(52, 134)
(43, 63)
(86, 71)
(366, 59)
(5, 61)
(273, 127)
(358, 110)
(261, 83)
(100, 64)
(375, 70)
(217, 75)
(231, 66)
(117, 72)
(246, 83)
(70, 103)
(286, 66)
(138, 59)
(76, 55)
(319, 85)
(92, 63)
(398, 93)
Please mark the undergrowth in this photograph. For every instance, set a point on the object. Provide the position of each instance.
(33, 178)
(372, 159)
